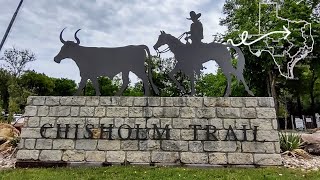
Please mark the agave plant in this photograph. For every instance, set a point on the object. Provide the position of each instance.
(291, 144)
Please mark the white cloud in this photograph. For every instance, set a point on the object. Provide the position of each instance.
(103, 23)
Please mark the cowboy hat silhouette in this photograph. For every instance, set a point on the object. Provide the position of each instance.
(194, 16)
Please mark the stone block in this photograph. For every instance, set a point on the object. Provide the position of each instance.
(251, 102)
(100, 111)
(267, 159)
(93, 101)
(166, 121)
(63, 144)
(94, 121)
(164, 157)
(240, 158)
(195, 146)
(43, 111)
(167, 101)
(33, 122)
(86, 144)
(48, 120)
(28, 154)
(237, 102)
(115, 156)
(239, 123)
(108, 145)
(258, 147)
(274, 123)
(44, 144)
(117, 112)
(95, 156)
(149, 145)
(157, 112)
(206, 112)
(29, 143)
(30, 133)
(187, 112)
(220, 146)
(181, 123)
(217, 122)
(228, 112)
(138, 157)
(140, 101)
(194, 101)
(73, 101)
(277, 147)
(147, 112)
(50, 155)
(70, 120)
(179, 101)
(86, 111)
(169, 145)
(266, 102)
(154, 101)
(109, 101)
(218, 158)
(194, 158)
(265, 135)
(73, 155)
(30, 111)
(129, 145)
(229, 122)
(135, 112)
(61, 111)
(52, 101)
(223, 102)
(264, 124)
(209, 101)
(142, 122)
(248, 113)
(107, 121)
(126, 101)
(171, 112)
(266, 113)
(152, 121)
(75, 111)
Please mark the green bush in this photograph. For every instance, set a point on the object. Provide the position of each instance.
(290, 142)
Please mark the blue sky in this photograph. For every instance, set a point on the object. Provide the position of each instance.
(104, 23)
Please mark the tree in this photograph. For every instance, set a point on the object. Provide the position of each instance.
(17, 60)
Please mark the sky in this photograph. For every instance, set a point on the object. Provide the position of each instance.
(104, 23)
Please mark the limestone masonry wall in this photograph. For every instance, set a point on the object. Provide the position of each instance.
(200, 131)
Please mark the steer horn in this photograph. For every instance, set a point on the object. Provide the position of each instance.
(61, 39)
(75, 36)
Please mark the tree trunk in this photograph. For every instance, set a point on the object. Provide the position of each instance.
(312, 98)
(272, 80)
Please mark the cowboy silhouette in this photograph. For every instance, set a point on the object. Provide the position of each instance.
(196, 29)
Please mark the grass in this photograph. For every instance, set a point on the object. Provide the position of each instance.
(143, 172)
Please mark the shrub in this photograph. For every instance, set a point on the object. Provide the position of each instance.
(290, 142)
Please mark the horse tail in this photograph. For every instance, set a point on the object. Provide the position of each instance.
(154, 87)
(241, 60)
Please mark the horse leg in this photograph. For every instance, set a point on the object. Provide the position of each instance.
(192, 85)
(82, 84)
(171, 75)
(229, 78)
(125, 83)
(95, 84)
(241, 78)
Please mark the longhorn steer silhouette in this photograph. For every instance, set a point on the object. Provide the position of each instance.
(94, 62)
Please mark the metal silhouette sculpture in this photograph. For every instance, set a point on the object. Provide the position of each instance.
(94, 62)
(196, 29)
(190, 57)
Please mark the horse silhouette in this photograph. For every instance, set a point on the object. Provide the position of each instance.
(190, 59)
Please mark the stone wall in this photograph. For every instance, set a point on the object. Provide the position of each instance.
(199, 131)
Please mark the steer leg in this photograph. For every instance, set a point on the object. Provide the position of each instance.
(95, 84)
(82, 84)
(125, 83)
